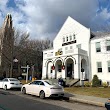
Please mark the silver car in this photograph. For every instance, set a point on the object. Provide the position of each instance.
(43, 88)
(8, 83)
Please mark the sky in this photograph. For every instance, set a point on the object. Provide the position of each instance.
(44, 18)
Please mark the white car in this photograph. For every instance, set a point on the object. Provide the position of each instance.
(43, 88)
(8, 83)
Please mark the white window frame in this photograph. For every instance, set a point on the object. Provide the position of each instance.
(99, 67)
(108, 45)
(98, 46)
(108, 66)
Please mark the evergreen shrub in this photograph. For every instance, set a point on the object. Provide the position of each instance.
(95, 81)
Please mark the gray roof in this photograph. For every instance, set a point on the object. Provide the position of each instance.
(96, 35)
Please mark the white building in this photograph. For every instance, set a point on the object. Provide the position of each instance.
(100, 56)
(74, 54)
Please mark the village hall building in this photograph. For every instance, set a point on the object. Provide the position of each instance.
(77, 53)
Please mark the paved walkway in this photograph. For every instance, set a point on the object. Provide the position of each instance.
(87, 99)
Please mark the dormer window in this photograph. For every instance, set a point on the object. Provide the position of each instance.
(70, 37)
(67, 38)
(74, 37)
(63, 39)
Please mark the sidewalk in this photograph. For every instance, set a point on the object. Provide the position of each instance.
(86, 99)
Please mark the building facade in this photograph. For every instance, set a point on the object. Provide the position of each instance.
(77, 54)
(100, 56)
(6, 46)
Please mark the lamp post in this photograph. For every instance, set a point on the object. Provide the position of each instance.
(15, 65)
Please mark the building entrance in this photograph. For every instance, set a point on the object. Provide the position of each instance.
(69, 70)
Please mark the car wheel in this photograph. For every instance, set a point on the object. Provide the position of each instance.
(5, 87)
(42, 94)
(24, 90)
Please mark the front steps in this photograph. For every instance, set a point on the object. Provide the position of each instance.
(68, 82)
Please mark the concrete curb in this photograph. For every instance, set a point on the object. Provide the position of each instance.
(87, 102)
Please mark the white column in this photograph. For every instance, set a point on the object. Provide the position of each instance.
(53, 73)
(76, 71)
(63, 73)
(44, 72)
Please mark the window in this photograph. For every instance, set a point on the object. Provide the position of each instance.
(5, 80)
(66, 48)
(13, 79)
(99, 67)
(37, 82)
(34, 82)
(98, 49)
(74, 37)
(108, 45)
(63, 39)
(67, 38)
(70, 37)
(108, 66)
(41, 83)
(78, 46)
(71, 47)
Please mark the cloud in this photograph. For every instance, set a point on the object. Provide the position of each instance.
(44, 18)
(101, 22)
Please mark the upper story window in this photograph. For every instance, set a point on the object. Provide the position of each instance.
(78, 46)
(71, 47)
(98, 48)
(99, 67)
(74, 37)
(108, 66)
(67, 38)
(108, 45)
(70, 37)
(63, 39)
(66, 48)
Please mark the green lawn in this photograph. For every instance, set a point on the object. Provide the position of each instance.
(90, 91)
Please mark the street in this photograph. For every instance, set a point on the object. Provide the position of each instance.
(14, 100)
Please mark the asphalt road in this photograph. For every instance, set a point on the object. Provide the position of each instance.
(14, 100)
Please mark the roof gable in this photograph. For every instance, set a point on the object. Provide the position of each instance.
(70, 26)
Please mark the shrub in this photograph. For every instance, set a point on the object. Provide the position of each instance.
(87, 84)
(95, 81)
(104, 84)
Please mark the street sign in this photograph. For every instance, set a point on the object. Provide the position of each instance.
(24, 74)
(26, 71)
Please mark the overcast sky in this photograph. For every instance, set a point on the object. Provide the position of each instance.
(44, 18)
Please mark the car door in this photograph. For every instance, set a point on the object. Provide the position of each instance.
(5, 82)
(30, 87)
(37, 88)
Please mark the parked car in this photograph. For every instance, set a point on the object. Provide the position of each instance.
(43, 88)
(8, 83)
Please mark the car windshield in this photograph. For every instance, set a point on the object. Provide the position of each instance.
(13, 79)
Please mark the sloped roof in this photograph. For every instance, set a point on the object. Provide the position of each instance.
(99, 34)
